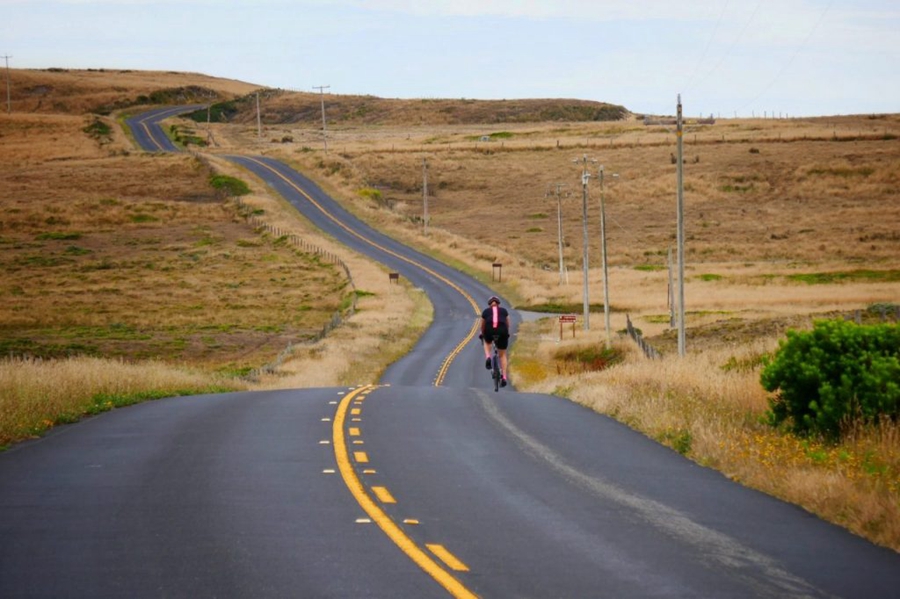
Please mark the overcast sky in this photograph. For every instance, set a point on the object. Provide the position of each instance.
(725, 57)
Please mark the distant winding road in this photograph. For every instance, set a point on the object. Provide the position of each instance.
(424, 485)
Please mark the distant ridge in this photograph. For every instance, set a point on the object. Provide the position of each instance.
(286, 107)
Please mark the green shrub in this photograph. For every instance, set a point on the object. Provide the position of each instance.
(230, 185)
(837, 373)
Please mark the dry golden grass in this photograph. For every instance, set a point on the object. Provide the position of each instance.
(388, 320)
(76, 92)
(36, 395)
(766, 200)
(136, 256)
(711, 407)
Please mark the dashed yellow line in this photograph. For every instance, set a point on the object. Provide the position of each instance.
(448, 558)
(383, 495)
(390, 528)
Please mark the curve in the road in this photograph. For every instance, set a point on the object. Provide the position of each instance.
(448, 360)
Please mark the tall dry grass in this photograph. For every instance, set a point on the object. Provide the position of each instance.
(36, 395)
(711, 407)
(389, 318)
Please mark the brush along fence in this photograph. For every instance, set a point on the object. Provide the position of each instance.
(309, 248)
(648, 349)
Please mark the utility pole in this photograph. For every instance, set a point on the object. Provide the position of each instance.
(322, 89)
(585, 177)
(8, 101)
(425, 195)
(605, 264)
(680, 196)
(258, 119)
(559, 234)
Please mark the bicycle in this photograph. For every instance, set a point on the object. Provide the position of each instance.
(495, 366)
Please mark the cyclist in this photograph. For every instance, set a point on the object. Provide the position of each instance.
(495, 327)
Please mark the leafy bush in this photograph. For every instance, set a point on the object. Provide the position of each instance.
(836, 373)
(230, 185)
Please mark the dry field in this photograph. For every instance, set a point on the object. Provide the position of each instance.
(786, 221)
(135, 259)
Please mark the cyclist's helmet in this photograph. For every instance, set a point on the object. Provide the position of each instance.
(493, 299)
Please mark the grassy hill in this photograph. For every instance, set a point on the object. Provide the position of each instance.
(291, 108)
(100, 91)
(111, 252)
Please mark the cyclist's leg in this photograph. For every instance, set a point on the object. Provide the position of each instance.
(487, 351)
(502, 345)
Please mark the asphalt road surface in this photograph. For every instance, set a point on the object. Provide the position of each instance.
(428, 484)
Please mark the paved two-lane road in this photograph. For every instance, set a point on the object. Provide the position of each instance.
(401, 489)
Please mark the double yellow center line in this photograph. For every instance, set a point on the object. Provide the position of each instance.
(377, 515)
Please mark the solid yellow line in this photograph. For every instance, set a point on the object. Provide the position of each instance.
(390, 528)
(440, 377)
(448, 558)
(449, 359)
(383, 495)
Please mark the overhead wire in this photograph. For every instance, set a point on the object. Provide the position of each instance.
(785, 65)
(709, 41)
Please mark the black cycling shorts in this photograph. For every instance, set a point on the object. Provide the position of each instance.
(501, 336)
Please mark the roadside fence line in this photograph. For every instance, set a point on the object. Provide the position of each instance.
(648, 349)
(337, 319)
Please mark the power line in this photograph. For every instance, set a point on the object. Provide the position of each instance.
(706, 50)
(788, 63)
(734, 42)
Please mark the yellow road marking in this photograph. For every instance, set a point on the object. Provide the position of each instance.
(361, 457)
(443, 371)
(390, 528)
(452, 355)
(355, 411)
(354, 432)
(383, 495)
(448, 558)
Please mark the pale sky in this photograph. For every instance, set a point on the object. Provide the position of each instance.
(725, 57)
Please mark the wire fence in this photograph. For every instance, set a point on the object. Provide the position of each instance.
(337, 319)
(648, 349)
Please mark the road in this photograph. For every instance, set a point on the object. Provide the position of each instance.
(427, 484)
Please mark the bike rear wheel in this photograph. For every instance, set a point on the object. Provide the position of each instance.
(495, 371)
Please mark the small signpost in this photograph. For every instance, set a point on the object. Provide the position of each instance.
(567, 318)
(394, 277)
(497, 271)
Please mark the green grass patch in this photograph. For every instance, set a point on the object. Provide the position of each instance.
(59, 236)
(559, 308)
(650, 267)
(230, 185)
(843, 172)
(710, 277)
(847, 276)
